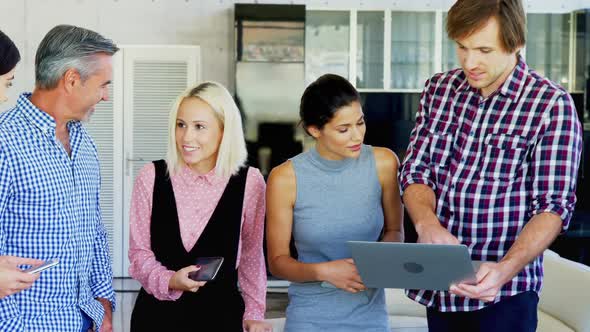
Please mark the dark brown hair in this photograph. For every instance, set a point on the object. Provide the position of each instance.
(323, 98)
(468, 16)
(9, 55)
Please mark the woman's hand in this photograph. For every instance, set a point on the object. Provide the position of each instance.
(181, 281)
(342, 274)
(257, 326)
(13, 279)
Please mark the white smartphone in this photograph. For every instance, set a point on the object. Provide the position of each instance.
(39, 268)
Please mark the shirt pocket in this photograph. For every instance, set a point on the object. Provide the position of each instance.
(442, 138)
(504, 156)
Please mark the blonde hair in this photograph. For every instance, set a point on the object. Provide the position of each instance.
(232, 152)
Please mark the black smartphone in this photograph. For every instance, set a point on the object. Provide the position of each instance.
(209, 268)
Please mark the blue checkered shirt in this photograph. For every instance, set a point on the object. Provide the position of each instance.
(49, 209)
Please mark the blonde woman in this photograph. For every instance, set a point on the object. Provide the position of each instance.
(200, 202)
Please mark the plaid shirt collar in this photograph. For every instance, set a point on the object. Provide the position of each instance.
(37, 117)
(511, 88)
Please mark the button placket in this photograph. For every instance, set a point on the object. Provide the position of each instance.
(462, 162)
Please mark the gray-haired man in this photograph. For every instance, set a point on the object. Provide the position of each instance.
(49, 188)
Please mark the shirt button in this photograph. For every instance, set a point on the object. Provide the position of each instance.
(463, 160)
(472, 133)
(453, 186)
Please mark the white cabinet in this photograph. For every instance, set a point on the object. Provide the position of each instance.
(131, 129)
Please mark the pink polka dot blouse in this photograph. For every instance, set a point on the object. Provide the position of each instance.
(196, 198)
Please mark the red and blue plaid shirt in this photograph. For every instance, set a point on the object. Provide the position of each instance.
(494, 163)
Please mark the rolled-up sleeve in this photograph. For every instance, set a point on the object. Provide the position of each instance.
(555, 161)
(101, 276)
(416, 166)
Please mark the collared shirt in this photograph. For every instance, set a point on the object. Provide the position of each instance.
(197, 197)
(493, 164)
(49, 209)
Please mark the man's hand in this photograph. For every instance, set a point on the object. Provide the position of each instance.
(257, 326)
(420, 202)
(107, 321)
(434, 233)
(490, 279)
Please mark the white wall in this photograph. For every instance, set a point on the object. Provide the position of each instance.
(208, 23)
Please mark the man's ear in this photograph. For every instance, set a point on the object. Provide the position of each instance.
(314, 131)
(69, 78)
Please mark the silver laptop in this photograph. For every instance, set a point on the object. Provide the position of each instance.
(412, 265)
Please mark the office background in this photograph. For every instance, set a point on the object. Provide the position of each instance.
(266, 52)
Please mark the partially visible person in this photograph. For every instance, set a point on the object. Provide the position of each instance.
(9, 57)
(12, 279)
(492, 164)
(50, 185)
(340, 190)
(202, 201)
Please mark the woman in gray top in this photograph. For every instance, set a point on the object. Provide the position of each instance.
(340, 190)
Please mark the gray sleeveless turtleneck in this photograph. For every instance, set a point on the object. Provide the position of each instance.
(337, 201)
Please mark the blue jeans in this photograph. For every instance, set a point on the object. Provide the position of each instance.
(517, 313)
(87, 323)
